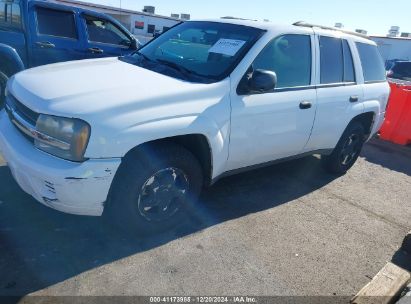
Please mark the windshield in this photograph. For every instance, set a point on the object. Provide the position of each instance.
(401, 70)
(197, 51)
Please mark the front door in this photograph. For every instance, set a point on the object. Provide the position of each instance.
(105, 38)
(275, 125)
(55, 37)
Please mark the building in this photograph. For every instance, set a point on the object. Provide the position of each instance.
(394, 46)
(142, 24)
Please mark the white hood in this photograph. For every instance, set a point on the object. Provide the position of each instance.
(84, 87)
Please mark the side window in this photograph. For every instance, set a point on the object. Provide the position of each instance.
(349, 75)
(371, 61)
(331, 60)
(104, 31)
(56, 23)
(289, 56)
(3, 6)
(10, 14)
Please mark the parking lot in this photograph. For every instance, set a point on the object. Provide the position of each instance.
(289, 229)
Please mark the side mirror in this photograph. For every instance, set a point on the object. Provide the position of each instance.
(134, 44)
(262, 81)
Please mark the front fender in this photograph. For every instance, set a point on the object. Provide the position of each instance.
(10, 56)
(216, 133)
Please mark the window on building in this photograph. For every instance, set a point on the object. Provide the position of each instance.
(372, 63)
(56, 23)
(151, 29)
(104, 31)
(331, 60)
(289, 56)
(349, 75)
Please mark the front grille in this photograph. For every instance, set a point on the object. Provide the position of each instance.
(29, 115)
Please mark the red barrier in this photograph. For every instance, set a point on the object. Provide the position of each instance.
(397, 125)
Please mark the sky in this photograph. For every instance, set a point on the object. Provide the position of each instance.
(375, 16)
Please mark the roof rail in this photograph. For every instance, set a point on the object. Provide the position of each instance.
(306, 24)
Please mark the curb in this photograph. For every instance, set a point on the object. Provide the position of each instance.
(385, 287)
(388, 284)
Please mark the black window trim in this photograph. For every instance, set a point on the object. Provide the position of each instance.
(285, 89)
(84, 14)
(374, 81)
(66, 10)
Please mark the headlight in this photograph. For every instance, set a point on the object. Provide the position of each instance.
(63, 137)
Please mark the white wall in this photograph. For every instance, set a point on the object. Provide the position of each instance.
(394, 48)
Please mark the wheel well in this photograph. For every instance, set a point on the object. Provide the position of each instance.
(197, 144)
(7, 67)
(366, 119)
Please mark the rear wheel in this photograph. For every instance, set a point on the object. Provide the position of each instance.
(347, 150)
(3, 82)
(155, 189)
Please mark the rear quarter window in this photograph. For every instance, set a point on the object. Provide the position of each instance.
(372, 63)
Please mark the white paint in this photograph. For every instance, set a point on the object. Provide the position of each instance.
(128, 105)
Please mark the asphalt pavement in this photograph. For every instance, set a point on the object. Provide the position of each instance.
(290, 229)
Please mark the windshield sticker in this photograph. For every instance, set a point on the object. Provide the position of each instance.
(228, 47)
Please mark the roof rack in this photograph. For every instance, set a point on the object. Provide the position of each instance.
(306, 24)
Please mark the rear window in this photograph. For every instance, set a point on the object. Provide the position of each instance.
(372, 63)
(349, 74)
(332, 61)
(56, 23)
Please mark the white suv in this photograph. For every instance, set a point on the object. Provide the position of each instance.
(139, 136)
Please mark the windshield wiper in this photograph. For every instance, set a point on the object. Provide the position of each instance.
(175, 66)
(183, 70)
(145, 57)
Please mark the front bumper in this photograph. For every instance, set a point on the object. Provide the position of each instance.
(76, 188)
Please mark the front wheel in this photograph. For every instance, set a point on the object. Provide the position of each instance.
(3, 83)
(347, 150)
(156, 189)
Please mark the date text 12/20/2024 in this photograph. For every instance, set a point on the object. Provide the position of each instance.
(234, 299)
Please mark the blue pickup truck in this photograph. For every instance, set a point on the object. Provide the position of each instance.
(35, 32)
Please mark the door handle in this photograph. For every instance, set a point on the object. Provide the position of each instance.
(96, 50)
(305, 105)
(45, 44)
(354, 98)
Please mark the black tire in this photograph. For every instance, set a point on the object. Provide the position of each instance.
(3, 82)
(347, 150)
(133, 187)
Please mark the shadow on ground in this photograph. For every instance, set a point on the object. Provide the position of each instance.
(388, 155)
(40, 247)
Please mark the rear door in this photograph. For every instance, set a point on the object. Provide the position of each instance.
(105, 38)
(54, 35)
(339, 92)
